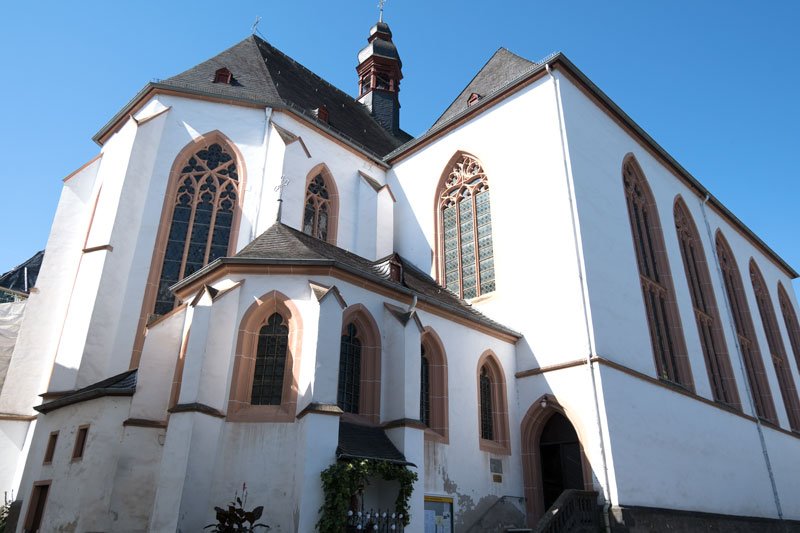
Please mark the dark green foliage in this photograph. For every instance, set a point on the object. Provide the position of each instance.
(344, 479)
(235, 518)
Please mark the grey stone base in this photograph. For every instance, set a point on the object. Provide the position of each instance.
(641, 519)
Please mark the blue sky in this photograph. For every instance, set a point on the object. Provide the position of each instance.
(713, 82)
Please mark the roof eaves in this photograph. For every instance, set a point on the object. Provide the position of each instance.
(694, 182)
(351, 270)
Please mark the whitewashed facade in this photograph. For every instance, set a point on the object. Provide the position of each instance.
(570, 331)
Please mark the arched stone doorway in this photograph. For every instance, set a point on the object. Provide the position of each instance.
(552, 457)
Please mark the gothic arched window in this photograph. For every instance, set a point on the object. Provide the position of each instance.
(776, 347)
(201, 218)
(666, 333)
(350, 370)
(466, 259)
(270, 364)
(433, 386)
(715, 352)
(359, 381)
(321, 205)
(790, 318)
(492, 405)
(745, 333)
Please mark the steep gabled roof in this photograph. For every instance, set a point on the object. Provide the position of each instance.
(283, 245)
(501, 69)
(263, 75)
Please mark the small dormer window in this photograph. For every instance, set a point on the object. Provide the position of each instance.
(473, 99)
(223, 75)
(322, 113)
(396, 271)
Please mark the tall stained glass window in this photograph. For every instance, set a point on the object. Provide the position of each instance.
(776, 348)
(715, 352)
(745, 333)
(202, 218)
(466, 258)
(317, 213)
(349, 393)
(270, 364)
(666, 334)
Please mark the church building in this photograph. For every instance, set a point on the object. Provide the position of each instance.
(529, 316)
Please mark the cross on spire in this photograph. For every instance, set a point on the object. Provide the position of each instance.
(380, 7)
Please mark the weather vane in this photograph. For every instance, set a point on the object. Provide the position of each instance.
(255, 24)
(380, 7)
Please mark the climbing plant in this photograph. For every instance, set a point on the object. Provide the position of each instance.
(343, 479)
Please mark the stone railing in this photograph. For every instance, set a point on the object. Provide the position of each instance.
(575, 511)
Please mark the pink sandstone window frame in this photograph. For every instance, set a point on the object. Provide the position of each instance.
(501, 443)
(704, 304)
(239, 407)
(533, 423)
(655, 278)
(790, 319)
(745, 332)
(460, 180)
(162, 234)
(776, 348)
(369, 406)
(332, 202)
(438, 431)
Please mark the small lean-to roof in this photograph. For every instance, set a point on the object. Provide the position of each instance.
(520, 78)
(120, 385)
(264, 76)
(283, 245)
(501, 69)
(367, 442)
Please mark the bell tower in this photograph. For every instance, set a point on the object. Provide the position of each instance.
(379, 75)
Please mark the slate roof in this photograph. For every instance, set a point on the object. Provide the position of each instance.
(14, 279)
(501, 69)
(367, 442)
(263, 74)
(120, 385)
(281, 244)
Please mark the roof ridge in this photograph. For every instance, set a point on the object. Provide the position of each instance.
(264, 70)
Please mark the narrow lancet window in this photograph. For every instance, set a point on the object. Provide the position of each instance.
(487, 410)
(202, 218)
(666, 333)
(465, 233)
(350, 371)
(425, 390)
(776, 347)
(316, 217)
(745, 333)
(715, 352)
(270, 364)
(790, 319)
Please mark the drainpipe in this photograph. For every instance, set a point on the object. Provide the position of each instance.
(750, 399)
(584, 296)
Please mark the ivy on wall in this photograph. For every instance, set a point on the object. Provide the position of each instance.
(343, 479)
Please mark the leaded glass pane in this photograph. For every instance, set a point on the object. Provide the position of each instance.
(349, 371)
(202, 214)
(425, 391)
(270, 364)
(316, 216)
(487, 414)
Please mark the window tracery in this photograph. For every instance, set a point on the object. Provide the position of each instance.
(666, 333)
(466, 248)
(201, 219)
(315, 219)
(270, 363)
(776, 347)
(745, 333)
(715, 352)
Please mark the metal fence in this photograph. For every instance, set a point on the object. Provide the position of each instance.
(374, 520)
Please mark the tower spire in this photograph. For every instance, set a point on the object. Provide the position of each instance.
(379, 74)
